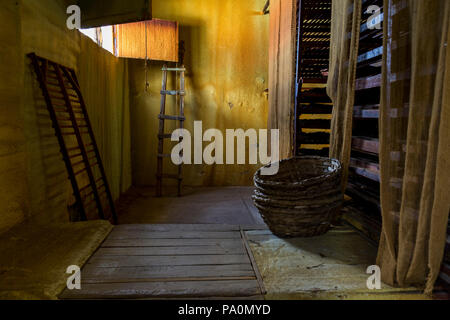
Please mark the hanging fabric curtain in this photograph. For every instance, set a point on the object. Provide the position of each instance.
(414, 141)
(282, 72)
(345, 29)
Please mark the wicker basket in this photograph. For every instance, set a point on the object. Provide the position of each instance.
(302, 199)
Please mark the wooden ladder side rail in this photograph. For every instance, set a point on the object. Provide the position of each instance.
(182, 89)
(71, 76)
(159, 169)
(41, 76)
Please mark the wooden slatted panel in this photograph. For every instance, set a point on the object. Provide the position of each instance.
(170, 261)
(313, 46)
(70, 120)
(162, 40)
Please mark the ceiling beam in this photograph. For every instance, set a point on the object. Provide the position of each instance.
(97, 13)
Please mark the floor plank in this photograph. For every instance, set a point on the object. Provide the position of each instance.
(170, 251)
(170, 261)
(170, 242)
(109, 274)
(142, 261)
(177, 227)
(125, 234)
(142, 290)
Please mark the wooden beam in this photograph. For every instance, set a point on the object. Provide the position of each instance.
(109, 12)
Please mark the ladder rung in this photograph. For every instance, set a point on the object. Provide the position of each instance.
(85, 187)
(78, 147)
(77, 163)
(59, 92)
(84, 169)
(68, 119)
(169, 176)
(164, 155)
(56, 85)
(75, 155)
(62, 99)
(58, 107)
(88, 194)
(173, 92)
(79, 171)
(50, 78)
(71, 127)
(164, 117)
(60, 110)
(174, 69)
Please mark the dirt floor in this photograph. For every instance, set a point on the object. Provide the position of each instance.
(213, 205)
(331, 266)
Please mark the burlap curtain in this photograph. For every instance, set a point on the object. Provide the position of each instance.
(415, 141)
(414, 130)
(345, 26)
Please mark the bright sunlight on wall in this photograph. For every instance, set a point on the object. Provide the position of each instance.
(102, 36)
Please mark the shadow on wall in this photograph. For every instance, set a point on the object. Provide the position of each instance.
(46, 165)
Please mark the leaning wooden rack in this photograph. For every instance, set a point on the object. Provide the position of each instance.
(62, 94)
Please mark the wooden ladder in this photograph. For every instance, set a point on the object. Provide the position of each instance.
(65, 104)
(162, 135)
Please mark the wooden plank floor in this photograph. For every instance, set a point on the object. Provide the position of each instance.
(171, 261)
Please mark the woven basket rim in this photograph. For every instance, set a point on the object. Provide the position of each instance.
(336, 166)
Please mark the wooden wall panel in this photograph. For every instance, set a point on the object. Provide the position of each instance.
(282, 72)
(162, 40)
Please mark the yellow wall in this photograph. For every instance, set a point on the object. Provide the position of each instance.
(33, 179)
(12, 139)
(226, 57)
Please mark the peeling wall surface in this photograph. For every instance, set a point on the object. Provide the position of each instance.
(34, 183)
(227, 72)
